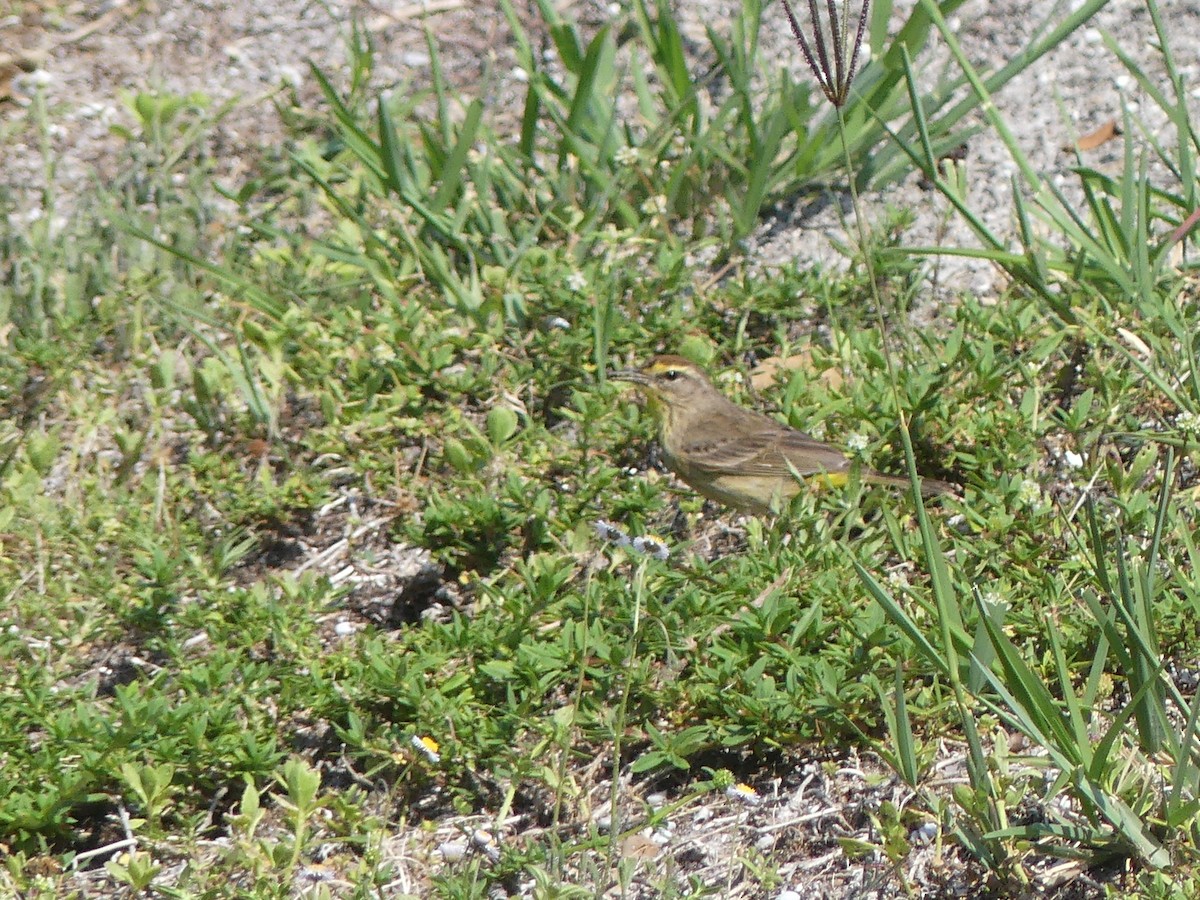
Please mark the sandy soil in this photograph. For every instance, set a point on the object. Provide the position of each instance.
(91, 57)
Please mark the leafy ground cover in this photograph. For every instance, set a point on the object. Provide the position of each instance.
(334, 565)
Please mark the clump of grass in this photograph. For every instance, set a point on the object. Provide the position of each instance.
(989, 673)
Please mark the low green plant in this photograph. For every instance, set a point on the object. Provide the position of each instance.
(1126, 765)
(137, 870)
(1113, 282)
(418, 201)
(428, 372)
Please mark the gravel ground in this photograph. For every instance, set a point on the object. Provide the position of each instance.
(1063, 96)
(86, 56)
(250, 49)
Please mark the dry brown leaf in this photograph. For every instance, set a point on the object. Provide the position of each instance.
(33, 59)
(1136, 343)
(386, 19)
(638, 847)
(1187, 225)
(764, 375)
(1093, 139)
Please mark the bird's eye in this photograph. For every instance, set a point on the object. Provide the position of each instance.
(672, 374)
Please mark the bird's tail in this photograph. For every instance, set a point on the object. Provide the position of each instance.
(930, 487)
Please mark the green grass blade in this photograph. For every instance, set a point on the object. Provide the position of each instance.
(454, 170)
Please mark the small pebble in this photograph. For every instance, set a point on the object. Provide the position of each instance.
(660, 836)
(924, 834)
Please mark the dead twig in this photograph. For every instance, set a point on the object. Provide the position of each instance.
(28, 60)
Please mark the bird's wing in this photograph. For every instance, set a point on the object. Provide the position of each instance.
(764, 451)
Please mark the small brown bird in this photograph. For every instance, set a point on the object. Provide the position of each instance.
(734, 455)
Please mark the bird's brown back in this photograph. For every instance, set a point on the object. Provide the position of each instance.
(739, 441)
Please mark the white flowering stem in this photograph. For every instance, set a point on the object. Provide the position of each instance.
(614, 829)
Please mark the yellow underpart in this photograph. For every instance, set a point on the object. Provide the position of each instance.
(830, 479)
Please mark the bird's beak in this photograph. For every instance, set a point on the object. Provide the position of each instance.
(630, 375)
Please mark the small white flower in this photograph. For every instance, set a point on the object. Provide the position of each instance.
(105, 112)
(654, 206)
(1188, 422)
(651, 546)
(1029, 492)
(291, 75)
(856, 442)
(627, 156)
(427, 747)
(897, 579)
(576, 281)
(610, 533)
(817, 431)
(483, 841)
(1072, 459)
(39, 78)
(744, 793)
